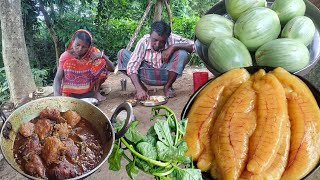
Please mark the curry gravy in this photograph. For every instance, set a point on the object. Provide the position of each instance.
(55, 157)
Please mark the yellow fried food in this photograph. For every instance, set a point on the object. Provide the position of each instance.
(271, 116)
(206, 158)
(234, 125)
(215, 171)
(304, 118)
(246, 175)
(279, 164)
(204, 109)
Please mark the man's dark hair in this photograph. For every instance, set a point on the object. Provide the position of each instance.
(162, 28)
(83, 36)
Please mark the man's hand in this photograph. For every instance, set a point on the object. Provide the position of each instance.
(166, 54)
(142, 95)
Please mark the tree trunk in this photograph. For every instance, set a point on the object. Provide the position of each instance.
(53, 33)
(167, 4)
(14, 51)
(134, 36)
(158, 10)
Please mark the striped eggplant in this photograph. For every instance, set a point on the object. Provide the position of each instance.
(300, 28)
(287, 53)
(235, 7)
(288, 9)
(257, 26)
(226, 53)
(211, 26)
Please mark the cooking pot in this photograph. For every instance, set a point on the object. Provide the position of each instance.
(251, 70)
(86, 110)
(314, 48)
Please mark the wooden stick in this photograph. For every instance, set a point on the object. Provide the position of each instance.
(134, 36)
(167, 3)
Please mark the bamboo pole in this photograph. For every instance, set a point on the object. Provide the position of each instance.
(158, 10)
(134, 36)
(167, 4)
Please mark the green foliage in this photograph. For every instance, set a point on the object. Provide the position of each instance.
(117, 34)
(132, 134)
(147, 150)
(184, 26)
(160, 153)
(163, 131)
(132, 170)
(115, 157)
(201, 7)
(195, 60)
(4, 87)
(40, 76)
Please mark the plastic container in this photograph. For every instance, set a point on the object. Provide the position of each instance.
(199, 78)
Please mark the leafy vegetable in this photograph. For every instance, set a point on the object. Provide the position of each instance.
(161, 152)
(147, 149)
(115, 158)
(132, 170)
(132, 134)
(163, 131)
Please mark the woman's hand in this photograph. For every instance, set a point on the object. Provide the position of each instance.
(96, 55)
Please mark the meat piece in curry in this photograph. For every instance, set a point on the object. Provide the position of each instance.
(62, 130)
(63, 170)
(71, 150)
(58, 147)
(52, 150)
(30, 146)
(53, 114)
(34, 166)
(43, 128)
(26, 129)
(72, 117)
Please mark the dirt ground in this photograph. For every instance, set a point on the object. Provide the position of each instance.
(184, 90)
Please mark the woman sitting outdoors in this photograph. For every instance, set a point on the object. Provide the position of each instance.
(82, 68)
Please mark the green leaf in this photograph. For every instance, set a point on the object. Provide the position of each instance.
(132, 134)
(163, 131)
(183, 147)
(165, 178)
(152, 136)
(171, 153)
(118, 125)
(147, 150)
(115, 158)
(171, 122)
(145, 166)
(132, 170)
(188, 174)
(158, 169)
(165, 153)
(183, 125)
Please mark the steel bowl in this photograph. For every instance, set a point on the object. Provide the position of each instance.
(314, 48)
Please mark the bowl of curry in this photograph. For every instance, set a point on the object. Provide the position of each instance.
(59, 138)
